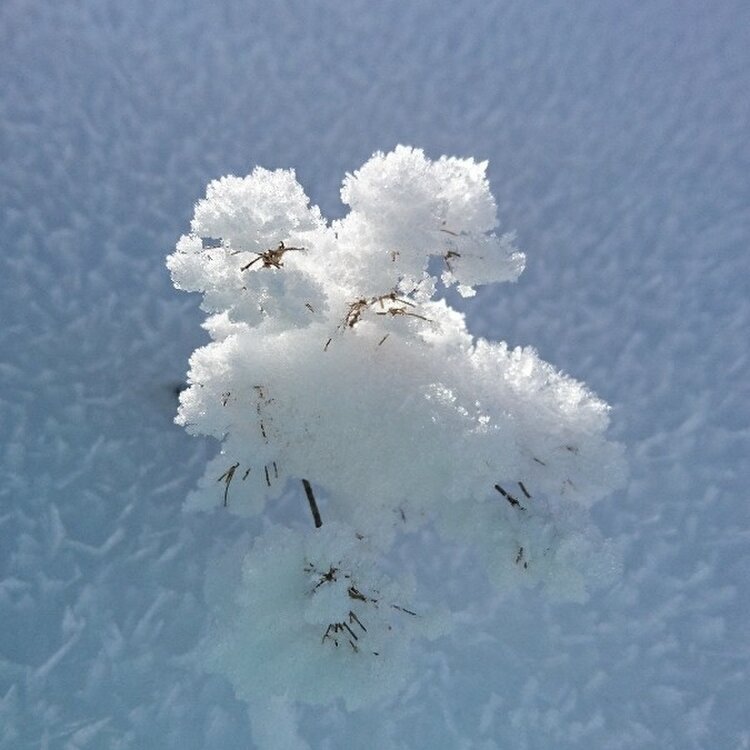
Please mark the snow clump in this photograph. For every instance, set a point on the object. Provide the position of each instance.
(334, 361)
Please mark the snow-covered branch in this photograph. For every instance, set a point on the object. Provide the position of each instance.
(333, 361)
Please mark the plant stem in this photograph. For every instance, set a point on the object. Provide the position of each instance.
(313, 504)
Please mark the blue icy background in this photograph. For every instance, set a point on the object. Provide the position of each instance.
(617, 135)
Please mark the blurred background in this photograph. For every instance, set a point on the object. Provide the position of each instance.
(617, 140)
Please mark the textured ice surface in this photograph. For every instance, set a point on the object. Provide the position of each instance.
(616, 136)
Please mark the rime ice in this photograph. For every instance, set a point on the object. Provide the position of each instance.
(333, 360)
(313, 617)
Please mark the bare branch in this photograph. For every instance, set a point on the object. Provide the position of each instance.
(227, 477)
(272, 258)
(512, 500)
(313, 505)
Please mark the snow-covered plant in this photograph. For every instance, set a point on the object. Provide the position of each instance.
(336, 367)
(312, 616)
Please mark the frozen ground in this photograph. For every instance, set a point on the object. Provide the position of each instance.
(617, 141)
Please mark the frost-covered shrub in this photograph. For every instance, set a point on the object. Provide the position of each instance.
(312, 616)
(334, 362)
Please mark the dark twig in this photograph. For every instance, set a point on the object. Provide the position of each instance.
(353, 618)
(227, 477)
(272, 258)
(355, 593)
(403, 609)
(512, 500)
(313, 504)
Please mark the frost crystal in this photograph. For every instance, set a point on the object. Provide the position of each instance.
(334, 361)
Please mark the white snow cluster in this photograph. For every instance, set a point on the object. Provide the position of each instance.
(333, 361)
(311, 616)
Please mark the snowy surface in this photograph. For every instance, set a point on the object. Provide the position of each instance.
(617, 148)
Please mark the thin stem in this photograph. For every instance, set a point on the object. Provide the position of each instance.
(313, 504)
